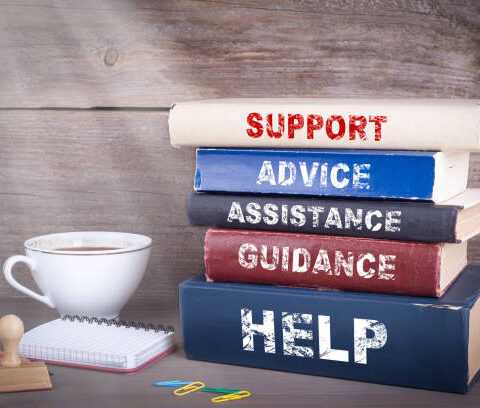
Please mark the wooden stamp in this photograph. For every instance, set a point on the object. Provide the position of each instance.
(15, 374)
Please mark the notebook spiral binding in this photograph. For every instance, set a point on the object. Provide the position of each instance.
(120, 323)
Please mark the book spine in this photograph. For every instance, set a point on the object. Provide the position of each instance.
(316, 173)
(394, 220)
(328, 123)
(409, 342)
(318, 261)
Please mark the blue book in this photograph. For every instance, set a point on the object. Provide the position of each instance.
(413, 175)
(400, 340)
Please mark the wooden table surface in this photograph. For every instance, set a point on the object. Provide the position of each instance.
(85, 92)
(74, 387)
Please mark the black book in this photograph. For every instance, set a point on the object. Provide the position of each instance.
(455, 220)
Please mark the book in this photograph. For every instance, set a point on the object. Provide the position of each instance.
(398, 124)
(322, 261)
(399, 340)
(432, 176)
(454, 220)
(99, 344)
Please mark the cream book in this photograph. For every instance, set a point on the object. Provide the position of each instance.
(100, 344)
(395, 124)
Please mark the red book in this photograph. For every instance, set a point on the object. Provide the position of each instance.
(344, 263)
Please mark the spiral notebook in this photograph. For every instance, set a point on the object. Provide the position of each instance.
(99, 344)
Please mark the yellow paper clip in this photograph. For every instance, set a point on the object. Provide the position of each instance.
(231, 397)
(187, 389)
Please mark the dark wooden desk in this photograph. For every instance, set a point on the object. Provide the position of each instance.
(90, 389)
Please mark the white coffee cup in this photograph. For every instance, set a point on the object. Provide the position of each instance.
(96, 281)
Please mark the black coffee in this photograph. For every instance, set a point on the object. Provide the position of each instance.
(87, 248)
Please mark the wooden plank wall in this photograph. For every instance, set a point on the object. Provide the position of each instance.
(86, 86)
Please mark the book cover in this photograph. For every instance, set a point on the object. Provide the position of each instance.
(343, 263)
(432, 176)
(399, 124)
(399, 340)
(379, 219)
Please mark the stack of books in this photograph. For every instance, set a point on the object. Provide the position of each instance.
(339, 245)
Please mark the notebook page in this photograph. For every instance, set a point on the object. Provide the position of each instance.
(94, 344)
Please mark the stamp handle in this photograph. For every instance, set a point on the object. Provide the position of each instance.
(11, 331)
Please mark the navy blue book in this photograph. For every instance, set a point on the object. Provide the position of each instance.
(400, 340)
(412, 175)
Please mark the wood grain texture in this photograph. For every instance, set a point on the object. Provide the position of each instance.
(94, 169)
(29, 376)
(66, 171)
(107, 170)
(114, 170)
(155, 53)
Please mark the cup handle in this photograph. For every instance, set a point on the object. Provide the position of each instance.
(7, 271)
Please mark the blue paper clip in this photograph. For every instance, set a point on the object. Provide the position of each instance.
(173, 383)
